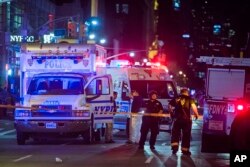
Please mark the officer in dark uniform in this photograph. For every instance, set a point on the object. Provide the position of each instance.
(180, 109)
(150, 122)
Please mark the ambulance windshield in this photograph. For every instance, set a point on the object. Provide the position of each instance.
(55, 85)
(165, 89)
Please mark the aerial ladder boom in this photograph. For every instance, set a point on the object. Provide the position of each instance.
(224, 61)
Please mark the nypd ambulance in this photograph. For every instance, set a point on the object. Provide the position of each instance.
(61, 92)
(142, 78)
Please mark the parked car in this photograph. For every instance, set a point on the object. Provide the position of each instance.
(240, 132)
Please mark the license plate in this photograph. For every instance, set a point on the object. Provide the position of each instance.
(164, 127)
(50, 125)
(215, 125)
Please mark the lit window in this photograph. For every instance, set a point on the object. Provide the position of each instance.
(117, 7)
(125, 8)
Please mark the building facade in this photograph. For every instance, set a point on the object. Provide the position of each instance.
(20, 21)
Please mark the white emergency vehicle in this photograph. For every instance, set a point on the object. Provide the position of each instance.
(142, 78)
(227, 93)
(61, 92)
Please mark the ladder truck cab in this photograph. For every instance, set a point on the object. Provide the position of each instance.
(61, 92)
(142, 78)
(227, 94)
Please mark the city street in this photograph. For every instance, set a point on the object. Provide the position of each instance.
(72, 152)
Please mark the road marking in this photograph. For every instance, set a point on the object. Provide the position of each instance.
(22, 158)
(58, 159)
(149, 159)
(6, 132)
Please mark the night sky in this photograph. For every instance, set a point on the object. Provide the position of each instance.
(172, 24)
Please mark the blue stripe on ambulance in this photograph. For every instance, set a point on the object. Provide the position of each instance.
(100, 101)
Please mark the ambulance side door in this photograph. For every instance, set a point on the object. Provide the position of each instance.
(99, 94)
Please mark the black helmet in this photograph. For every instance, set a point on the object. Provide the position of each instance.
(152, 92)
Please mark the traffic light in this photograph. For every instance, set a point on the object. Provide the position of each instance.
(51, 22)
(72, 29)
(152, 53)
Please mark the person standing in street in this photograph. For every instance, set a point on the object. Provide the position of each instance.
(135, 119)
(109, 126)
(153, 106)
(180, 109)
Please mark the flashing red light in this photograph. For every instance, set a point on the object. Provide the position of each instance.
(240, 107)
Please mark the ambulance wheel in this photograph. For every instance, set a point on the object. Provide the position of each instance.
(20, 137)
(87, 136)
(97, 135)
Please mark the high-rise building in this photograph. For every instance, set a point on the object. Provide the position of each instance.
(129, 24)
(20, 21)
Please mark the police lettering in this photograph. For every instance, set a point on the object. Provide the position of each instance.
(217, 109)
(56, 64)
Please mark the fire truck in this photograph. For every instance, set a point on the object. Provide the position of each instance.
(61, 93)
(227, 94)
(142, 78)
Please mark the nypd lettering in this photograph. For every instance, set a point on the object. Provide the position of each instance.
(104, 108)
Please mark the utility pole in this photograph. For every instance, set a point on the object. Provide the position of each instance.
(94, 8)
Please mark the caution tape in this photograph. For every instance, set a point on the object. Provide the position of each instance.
(114, 113)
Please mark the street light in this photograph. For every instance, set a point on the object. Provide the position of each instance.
(132, 54)
(102, 41)
(92, 36)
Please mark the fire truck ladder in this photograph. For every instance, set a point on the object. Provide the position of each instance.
(224, 61)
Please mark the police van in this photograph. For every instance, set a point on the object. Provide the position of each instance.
(227, 94)
(142, 78)
(61, 92)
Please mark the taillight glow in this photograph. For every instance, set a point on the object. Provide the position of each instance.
(240, 107)
(80, 113)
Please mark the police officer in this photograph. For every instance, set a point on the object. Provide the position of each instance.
(135, 120)
(150, 122)
(180, 109)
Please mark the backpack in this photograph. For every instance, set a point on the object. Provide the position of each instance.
(180, 112)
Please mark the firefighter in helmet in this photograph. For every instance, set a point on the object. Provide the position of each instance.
(180, 109)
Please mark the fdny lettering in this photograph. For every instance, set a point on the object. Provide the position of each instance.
(104, 108)
(56, 64)
(217, 109)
